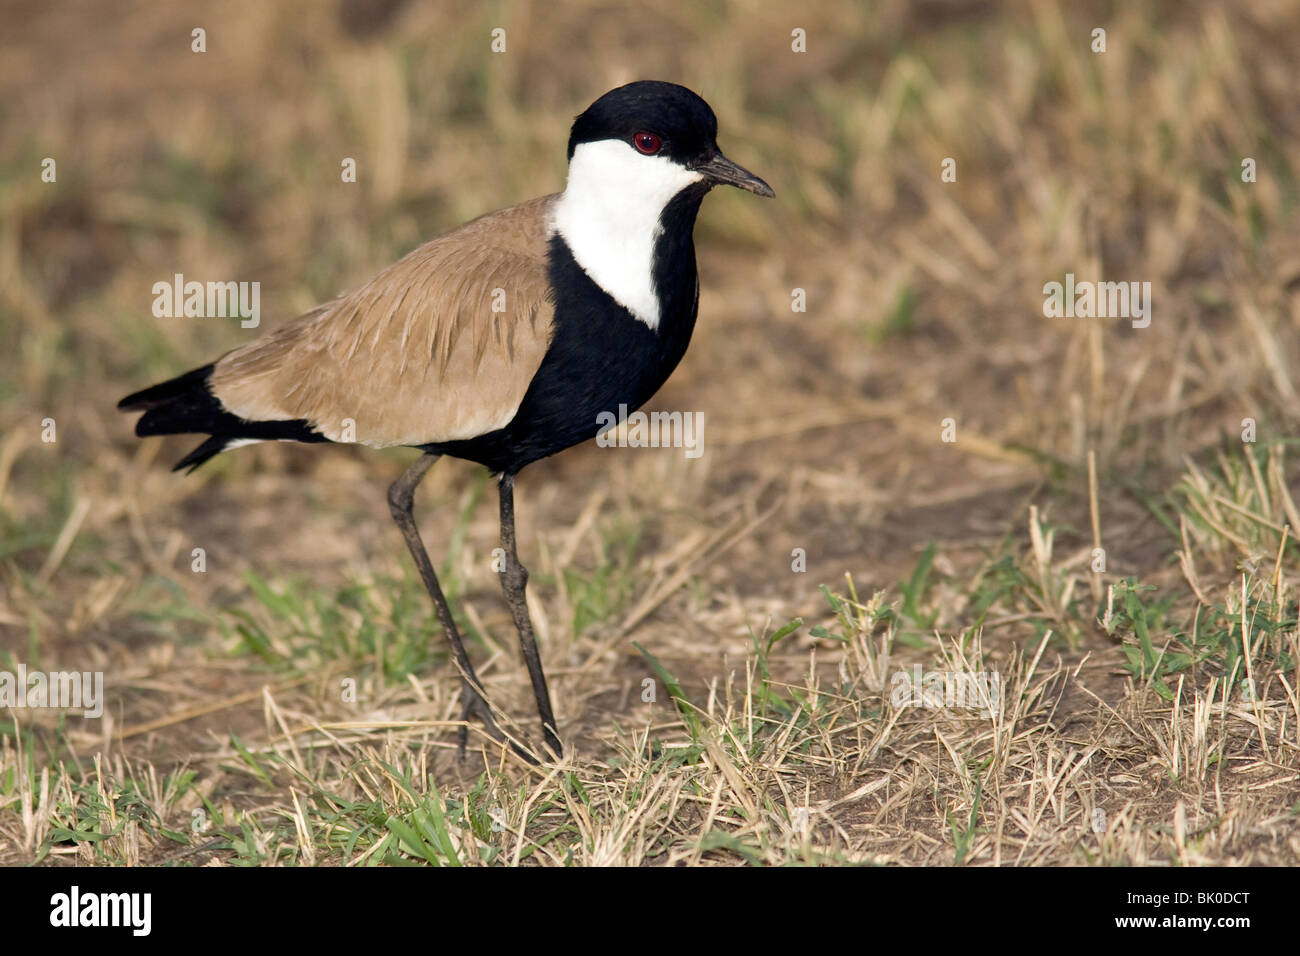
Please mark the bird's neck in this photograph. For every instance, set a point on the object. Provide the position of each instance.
(627, 219)
(675, 279)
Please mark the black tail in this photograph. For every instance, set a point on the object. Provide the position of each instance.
(186, 405)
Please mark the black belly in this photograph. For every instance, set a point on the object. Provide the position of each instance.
(601, 357)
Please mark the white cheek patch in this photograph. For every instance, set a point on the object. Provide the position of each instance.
(609, 216)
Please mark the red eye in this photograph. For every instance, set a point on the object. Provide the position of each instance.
(647, 143)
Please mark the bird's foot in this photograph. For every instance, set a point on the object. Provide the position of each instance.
(474, 704)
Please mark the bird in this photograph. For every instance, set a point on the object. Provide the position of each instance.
(502, 342)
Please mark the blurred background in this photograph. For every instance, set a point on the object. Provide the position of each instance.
(924, 302)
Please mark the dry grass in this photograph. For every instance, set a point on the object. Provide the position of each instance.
(1137, 726)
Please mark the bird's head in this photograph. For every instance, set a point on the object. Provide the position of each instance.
(650, 140)
(640, 160)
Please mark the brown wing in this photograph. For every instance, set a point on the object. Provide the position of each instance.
(441, 345)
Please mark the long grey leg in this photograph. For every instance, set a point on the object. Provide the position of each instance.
(514, 579)
(401, 500)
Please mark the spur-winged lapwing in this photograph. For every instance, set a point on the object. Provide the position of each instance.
(501, 342)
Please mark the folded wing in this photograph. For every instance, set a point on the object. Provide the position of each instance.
(440, 346)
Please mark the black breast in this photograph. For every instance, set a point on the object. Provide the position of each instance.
(601, 356)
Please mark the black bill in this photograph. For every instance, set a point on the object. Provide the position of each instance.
(722, 170)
